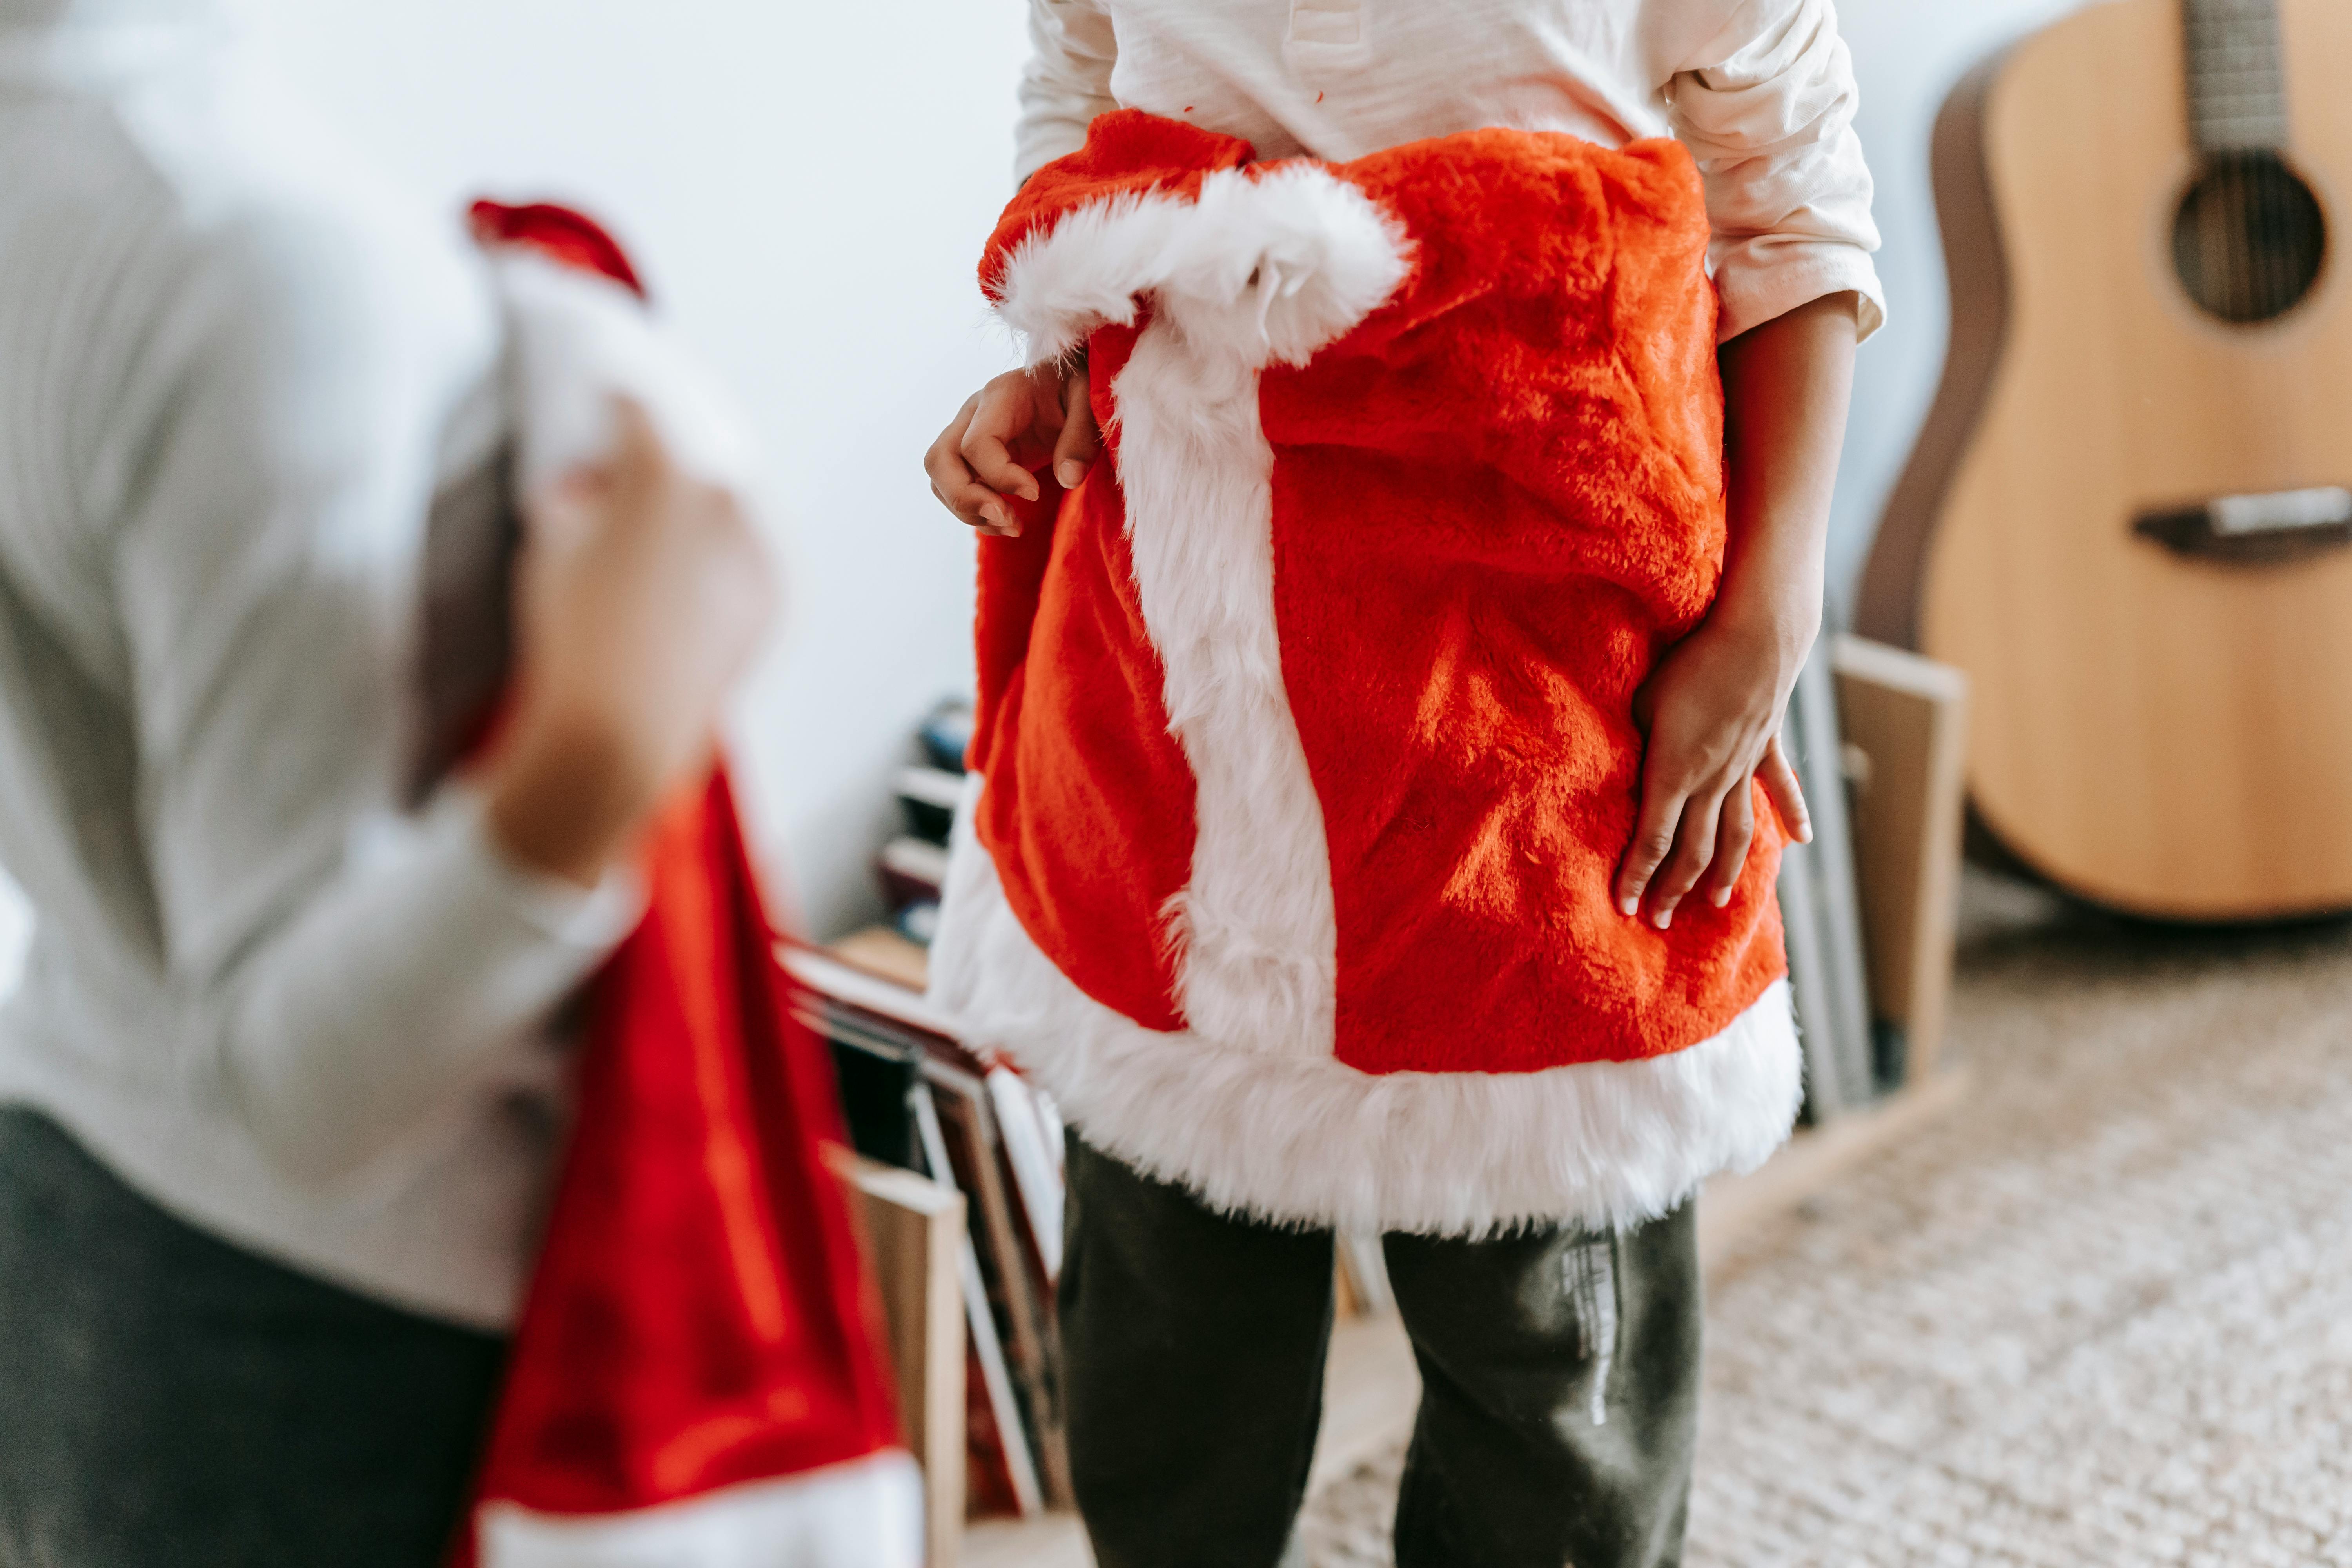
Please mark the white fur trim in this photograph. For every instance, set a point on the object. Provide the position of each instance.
(863, 1514)
(1310, 1141)
(1256, 271)
(1263, 268)
(579, 341)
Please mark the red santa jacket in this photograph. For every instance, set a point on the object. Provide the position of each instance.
(1306, 722)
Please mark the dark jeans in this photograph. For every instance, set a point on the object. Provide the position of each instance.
(170, 1401)
(1194, 1347)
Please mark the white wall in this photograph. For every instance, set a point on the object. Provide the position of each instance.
(1907, 54)
(808, 183)
(807, 187)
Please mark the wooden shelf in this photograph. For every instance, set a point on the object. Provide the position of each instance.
(885, 955)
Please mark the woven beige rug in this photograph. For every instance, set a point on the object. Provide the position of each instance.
(2099, 1315)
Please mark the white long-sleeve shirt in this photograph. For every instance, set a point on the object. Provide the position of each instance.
(273, 1000)
(1761, 92)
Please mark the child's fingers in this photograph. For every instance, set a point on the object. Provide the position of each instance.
(636, 464)
(628, 488)
(1694, 852)
(1074, 448)
(637, 446)
(1732, 839)
(992, 460)
(1654, 840)
(564, 515)
(1788, 797)
(987, 445)
(973, 503)
(953, 481)
(977, 506)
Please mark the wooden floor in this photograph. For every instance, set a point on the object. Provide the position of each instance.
(1370, 1387)
(1057, 1540)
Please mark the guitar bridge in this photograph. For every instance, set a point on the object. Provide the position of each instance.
(2271, 525)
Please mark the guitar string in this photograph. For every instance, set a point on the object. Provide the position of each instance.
(2247, 218)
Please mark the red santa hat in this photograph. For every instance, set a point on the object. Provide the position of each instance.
(696, 1378)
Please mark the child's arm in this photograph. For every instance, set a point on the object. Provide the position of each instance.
(1713, 707)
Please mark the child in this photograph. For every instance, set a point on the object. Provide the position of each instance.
(280, 1093)
(1379, 792)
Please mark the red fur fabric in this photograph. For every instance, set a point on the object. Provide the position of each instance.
(1073, 789)
(1490, 501)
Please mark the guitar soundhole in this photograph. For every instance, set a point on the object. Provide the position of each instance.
(2250, 238)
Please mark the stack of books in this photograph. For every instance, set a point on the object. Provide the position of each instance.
(916, 1097)
(1821, 910)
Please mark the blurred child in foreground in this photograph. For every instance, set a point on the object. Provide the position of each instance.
(278, 1096)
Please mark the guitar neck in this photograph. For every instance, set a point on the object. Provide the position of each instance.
(2237, 75)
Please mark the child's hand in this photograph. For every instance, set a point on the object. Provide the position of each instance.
(641, 594)
(978, 460)
(1712, 707)
(1712, 712)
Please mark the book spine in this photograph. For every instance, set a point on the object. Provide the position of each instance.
(1808, 979)
(1837, 903)
(987, 1347)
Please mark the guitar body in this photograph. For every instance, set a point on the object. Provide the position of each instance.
(2162, 731)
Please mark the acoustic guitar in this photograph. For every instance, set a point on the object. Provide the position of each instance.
(2129, 518)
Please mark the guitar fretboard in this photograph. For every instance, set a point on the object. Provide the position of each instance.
(2237, 75)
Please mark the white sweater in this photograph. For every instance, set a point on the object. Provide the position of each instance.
(1761, 92)
(273, 1001)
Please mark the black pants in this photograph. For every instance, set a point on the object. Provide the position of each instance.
(1559, 1373)
(170, 1401)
